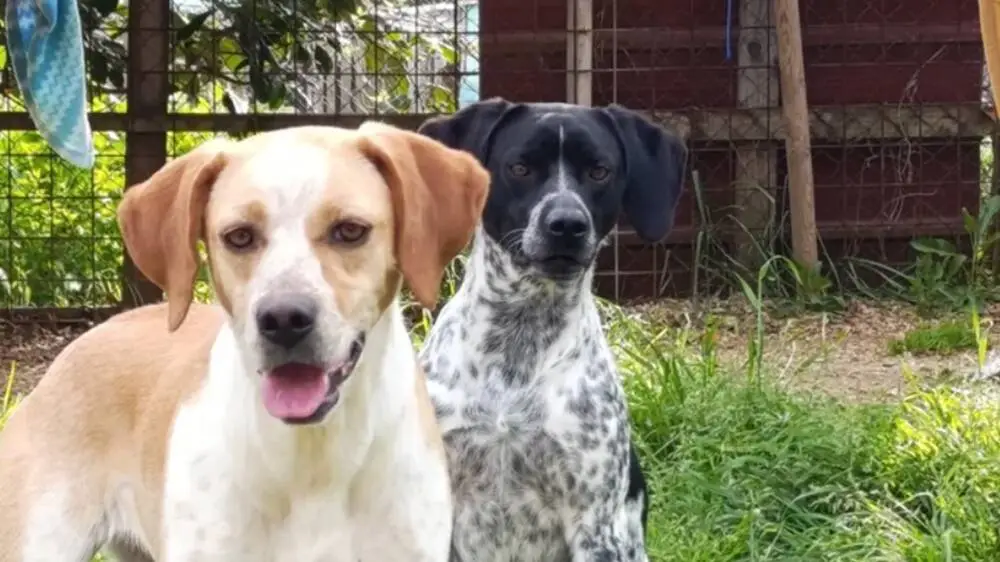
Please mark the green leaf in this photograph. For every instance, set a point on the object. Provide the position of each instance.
(935, 246)
(449, 55)
(442, 99)
(193, 88)
(260, 84)
(969, 222)
(277, 95)
(192, 26)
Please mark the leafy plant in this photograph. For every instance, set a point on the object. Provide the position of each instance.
(942, 277)
(938, 272)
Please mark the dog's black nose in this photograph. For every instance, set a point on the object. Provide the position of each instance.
(566, 221)
(286, 319)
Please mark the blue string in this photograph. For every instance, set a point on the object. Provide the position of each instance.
(729, 30)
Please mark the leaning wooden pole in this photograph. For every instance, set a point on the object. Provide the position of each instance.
(989, 27)
(798, 148)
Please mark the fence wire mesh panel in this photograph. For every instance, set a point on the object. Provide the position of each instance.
(167, 76)
(901, 128)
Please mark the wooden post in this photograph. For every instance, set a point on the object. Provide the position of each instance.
(148, 90)
(756, 164)
(798, 149)
(579, 51)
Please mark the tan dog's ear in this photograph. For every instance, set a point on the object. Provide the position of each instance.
(161, 222)
(438, 195)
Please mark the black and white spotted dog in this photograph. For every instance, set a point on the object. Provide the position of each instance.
(524, 383)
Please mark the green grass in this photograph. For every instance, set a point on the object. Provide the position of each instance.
(742, 470)
(944, 338)
(7, 399)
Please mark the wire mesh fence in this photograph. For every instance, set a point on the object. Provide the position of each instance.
(900, 124)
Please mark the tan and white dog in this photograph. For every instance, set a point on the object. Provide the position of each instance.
(290, 424)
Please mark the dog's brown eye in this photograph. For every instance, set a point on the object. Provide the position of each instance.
(349, 232)
(519, 170)
(239, 238)
(599, 173)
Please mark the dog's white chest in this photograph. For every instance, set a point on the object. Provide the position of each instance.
(317, 529)
(217, 506)
(241, 487)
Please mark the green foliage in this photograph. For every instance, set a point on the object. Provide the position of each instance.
(250, 45)
(944, 338)
(942, 277)
(741, 469)
(59, 239)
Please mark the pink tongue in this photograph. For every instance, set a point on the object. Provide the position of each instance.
(294, 391)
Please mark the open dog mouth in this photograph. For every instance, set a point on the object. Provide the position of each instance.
(298, 393)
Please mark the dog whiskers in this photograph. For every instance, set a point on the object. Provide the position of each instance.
(511, 241)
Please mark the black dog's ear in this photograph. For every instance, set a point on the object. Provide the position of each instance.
(655, 163)
(470, 128)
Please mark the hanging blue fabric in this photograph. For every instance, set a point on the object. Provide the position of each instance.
(45, 43)
(729, 30)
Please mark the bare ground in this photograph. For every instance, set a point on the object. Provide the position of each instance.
(843, 355)
(27, 350)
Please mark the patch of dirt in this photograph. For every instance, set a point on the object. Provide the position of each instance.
(844, 355)
(30, 348)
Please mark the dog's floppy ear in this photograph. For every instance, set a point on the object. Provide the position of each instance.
(438, 195)
(655, 162)
(161, 222)
(471, 128)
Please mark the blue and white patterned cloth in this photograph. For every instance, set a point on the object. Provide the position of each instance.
(45, 43)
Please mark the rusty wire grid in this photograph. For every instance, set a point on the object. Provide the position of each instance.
(900, 127)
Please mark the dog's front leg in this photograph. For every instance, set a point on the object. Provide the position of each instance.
(602, 535)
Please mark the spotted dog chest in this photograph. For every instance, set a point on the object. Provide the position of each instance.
(517, 461)
(526, 450)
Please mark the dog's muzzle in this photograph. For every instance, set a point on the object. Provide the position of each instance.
(299, 393)
(562, 244)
